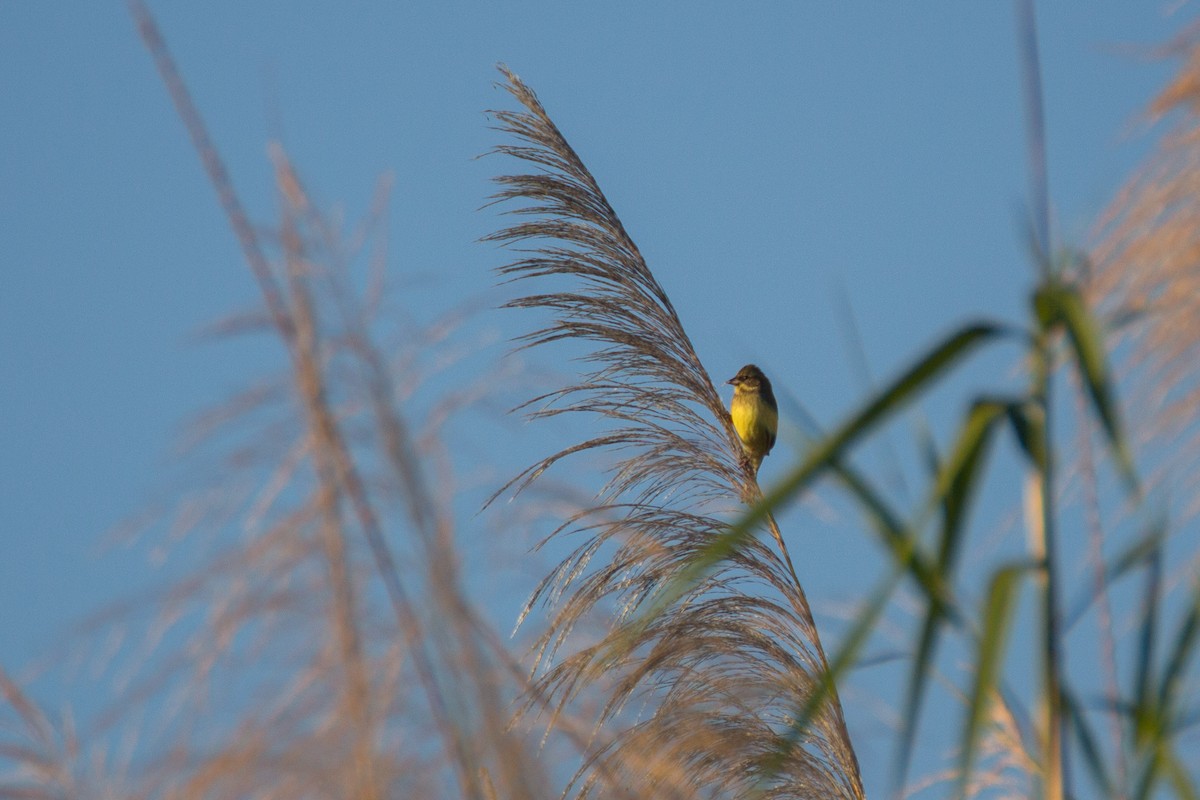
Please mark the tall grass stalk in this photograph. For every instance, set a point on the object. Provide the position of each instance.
(1043, 531)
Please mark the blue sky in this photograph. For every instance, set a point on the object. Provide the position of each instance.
(769, 159)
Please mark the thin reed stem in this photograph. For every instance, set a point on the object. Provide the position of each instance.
(1053, 722)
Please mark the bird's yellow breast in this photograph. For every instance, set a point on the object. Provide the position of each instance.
(755, 422)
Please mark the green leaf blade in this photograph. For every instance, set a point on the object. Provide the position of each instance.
(999, 607)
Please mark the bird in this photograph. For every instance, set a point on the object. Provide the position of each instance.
(755, 413)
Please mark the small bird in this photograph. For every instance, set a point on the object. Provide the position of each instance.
(755, 413)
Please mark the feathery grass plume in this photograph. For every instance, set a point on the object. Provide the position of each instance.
(299, 656)
(696, 702)
(1146, 275)
(39, 758)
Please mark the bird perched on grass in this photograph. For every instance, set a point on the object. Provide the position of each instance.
(755, 413)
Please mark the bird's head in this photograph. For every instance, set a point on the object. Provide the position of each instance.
(750, 378)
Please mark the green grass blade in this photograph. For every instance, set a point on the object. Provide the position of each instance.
(886, 403)
(1147, 777)
(927, 447)
(889, 401)
(1144, 706)
(1028, 423)
(1134, 555)
(1088, 345)
(1093, 756)
(1162, 763)
(896, 535)
(901, 541)
(957, 479)
(997, 618)
(918, 677)
(1181, 778)
(954, 489)
(1181, 653)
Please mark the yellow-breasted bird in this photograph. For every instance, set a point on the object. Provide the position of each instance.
(755, 413)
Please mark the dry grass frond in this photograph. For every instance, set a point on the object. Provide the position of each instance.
(1147, 277)
(1008, 767)
(40, 758)
(697, 702)
(320, 644)
(357, 684)
(1147, 274)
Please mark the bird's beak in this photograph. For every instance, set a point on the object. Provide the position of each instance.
(732, 381)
